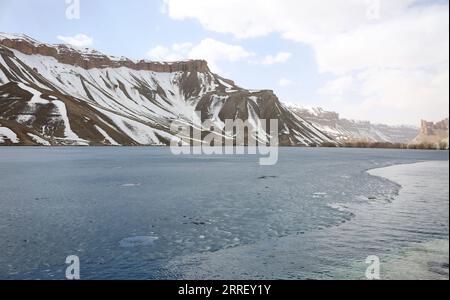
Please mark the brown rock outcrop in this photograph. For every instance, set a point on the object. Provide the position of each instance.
(433, 133)
(90, 59)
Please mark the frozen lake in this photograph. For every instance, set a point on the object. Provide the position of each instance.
(142, 213)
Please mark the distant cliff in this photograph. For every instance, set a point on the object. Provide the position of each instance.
(434, 133)
(351, 131)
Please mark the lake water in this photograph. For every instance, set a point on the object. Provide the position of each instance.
(142, 213)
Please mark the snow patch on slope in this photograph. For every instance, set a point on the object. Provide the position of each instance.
(68, 133)
(140, 133)
(8, 134)
(36, 95)
(106, 136)
(38, 140)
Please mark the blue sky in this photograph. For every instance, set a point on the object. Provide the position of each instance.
(323, 57)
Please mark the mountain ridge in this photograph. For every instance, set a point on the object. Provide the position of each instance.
(65, 96)
(88, 58)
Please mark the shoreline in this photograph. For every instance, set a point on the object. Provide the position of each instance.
(4, 145)
(422, 260)
(418, 256)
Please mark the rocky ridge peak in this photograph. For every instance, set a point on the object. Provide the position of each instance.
(91, 59)
(429, 128)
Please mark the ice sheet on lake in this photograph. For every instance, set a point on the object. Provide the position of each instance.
(138, 241)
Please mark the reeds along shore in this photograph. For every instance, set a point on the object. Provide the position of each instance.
(386, 145)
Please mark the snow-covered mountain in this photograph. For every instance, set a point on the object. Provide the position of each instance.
(61, 95)
(343, 130)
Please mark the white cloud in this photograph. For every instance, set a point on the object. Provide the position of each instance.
(279, 58)
(416, 94)
(417, 39)
(396, 54)
(284, 82)
(337, 87)
(396, 96)
(79, 40)
(295, 19)
(174, 53)
(211, 50)
(158, 53)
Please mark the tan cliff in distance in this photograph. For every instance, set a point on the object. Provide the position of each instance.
(434, 134)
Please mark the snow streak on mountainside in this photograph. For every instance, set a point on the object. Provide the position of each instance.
(59, 95)
(342, 130)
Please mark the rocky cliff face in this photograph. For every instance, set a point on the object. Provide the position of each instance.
(436, 134)
(91, 59)
(60, 95)
(343, 130)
